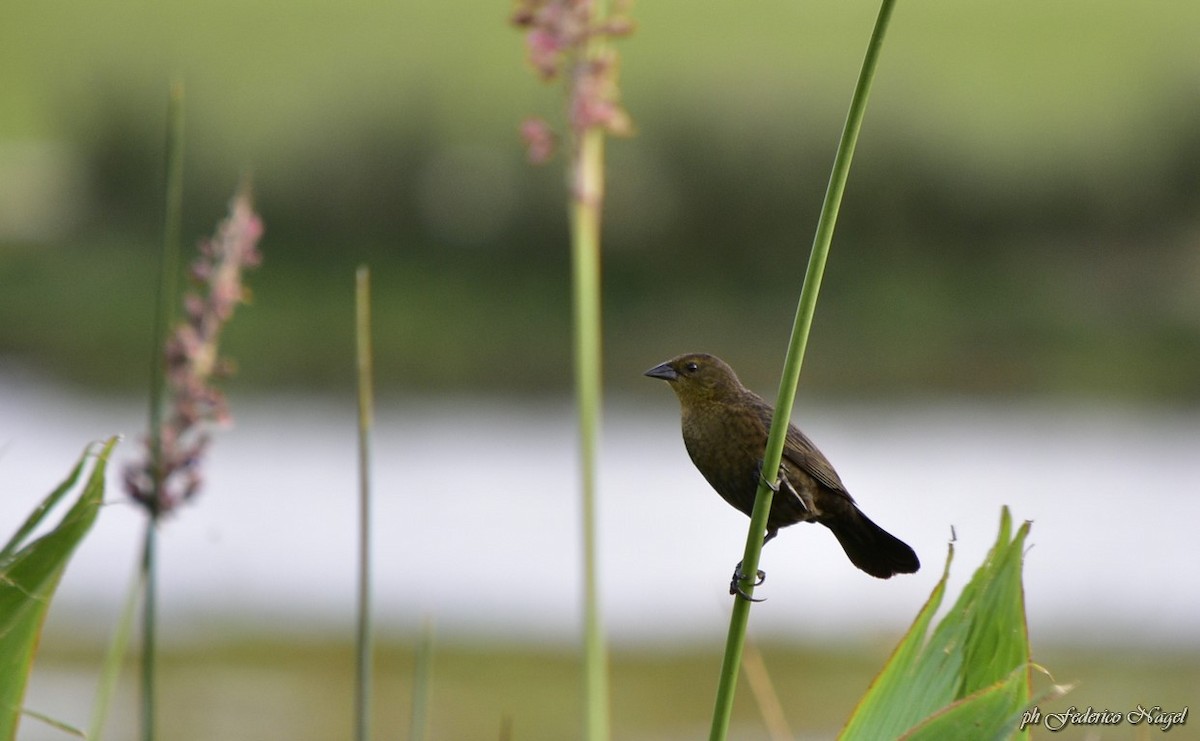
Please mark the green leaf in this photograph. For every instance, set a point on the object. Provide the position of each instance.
(39, 512)
(980, 645)
(990, 713)
(29, 574)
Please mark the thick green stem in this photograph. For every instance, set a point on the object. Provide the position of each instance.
(791, 374)
(363, 642)
(587, 185)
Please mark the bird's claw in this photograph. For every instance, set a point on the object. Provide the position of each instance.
(763, 480)
(735, 584)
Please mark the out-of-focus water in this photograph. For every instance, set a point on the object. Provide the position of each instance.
(476, 518)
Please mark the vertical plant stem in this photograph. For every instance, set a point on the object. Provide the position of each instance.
(362, 697)
(585, 258)
(586, 181)
(149, 627)
(168, 280)
(791, 373)
(422, 684)
(164, 318)
(765, 695)
(113, 658)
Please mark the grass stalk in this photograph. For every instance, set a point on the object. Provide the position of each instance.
(363, 636)
(164, 319)
(113, 659)
(585, 258)
(168, 279)
(149, 627)
(805, 309)
(418, 728)
(586, 183)
(569, 39)
(764, 693)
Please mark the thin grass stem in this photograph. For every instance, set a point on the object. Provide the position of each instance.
(168, 279)
(363, 637)
(805, 309)
(764, 693)
(164, 319)
(418, 728)
(114, 658)
(149, 628)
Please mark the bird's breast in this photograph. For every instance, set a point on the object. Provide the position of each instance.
(726, 446)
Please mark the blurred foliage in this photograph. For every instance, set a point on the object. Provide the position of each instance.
(1023, 217)
(30, 570)
(970, 676)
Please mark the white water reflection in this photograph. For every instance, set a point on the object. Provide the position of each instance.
(476, 519)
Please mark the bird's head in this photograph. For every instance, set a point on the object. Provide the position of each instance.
(698, 377)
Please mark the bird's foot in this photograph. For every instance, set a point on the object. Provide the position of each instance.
(735, 584)
(772, 486)
(763, 480)
(782, 484)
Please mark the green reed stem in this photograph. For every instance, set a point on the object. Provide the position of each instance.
(168, 278)
(114, 657)
(149, 626)
(585, 258)
(164, 319)
(363, 639)
(586, 183)
(791, 373)
(418, 728)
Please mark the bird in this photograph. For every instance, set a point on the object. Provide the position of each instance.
(725, 428)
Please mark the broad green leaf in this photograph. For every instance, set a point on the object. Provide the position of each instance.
(30, 573)
(903, 677)
(39, 512)
(980, 643)
(992, 713)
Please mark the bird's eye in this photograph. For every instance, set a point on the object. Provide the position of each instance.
(691, 367)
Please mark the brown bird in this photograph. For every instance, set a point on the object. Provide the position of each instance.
(725, 429)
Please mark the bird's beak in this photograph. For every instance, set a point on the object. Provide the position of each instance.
(663, 371)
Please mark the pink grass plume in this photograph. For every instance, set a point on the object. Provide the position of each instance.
(163, 481)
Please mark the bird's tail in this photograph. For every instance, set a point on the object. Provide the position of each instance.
(871, 548)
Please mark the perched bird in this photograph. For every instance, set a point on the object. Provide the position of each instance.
(725, 428)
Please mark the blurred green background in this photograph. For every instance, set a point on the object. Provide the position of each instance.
(1022, 215)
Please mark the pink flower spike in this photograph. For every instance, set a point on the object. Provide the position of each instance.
(540, 140)
(545, 52)
(169, 476)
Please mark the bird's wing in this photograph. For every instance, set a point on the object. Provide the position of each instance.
(799, 451)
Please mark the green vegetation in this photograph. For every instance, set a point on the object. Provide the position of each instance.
(1022, 216)
(30, 570)
(793, 360)
(420, 180)
(364, 636)
(971, 672)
